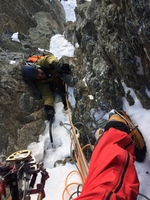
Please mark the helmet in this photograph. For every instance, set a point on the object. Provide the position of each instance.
(30, 71)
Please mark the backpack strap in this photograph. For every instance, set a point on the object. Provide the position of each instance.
(35, 58)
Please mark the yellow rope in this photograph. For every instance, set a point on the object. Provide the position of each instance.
(78, 154)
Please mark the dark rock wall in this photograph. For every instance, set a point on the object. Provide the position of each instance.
(35, 21)
(21, 112)
(114, 37)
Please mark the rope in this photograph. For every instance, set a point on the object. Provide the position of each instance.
(79, 158)
(68, 185)
(144, 196)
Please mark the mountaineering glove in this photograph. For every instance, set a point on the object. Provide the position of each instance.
(61, 68)
(49, 111)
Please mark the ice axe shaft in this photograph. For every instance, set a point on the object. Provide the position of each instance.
(50, 130)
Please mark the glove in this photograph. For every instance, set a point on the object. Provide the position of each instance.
(61, 68)
(49, 112)
(66, 68)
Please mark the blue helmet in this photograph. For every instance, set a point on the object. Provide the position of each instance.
(30, 71)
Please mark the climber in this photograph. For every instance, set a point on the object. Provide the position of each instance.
(46, 74)
(112, 173)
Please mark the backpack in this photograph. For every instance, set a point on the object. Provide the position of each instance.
(35, 58)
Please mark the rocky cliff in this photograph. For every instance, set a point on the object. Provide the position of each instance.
(21, 113)
(35, 21)
(115, 41)
(114, 51)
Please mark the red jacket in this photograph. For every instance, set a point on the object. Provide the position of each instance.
(112, 174)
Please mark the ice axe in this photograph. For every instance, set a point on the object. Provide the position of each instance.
(50, 132)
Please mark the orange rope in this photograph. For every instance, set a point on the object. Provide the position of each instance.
(81, 156)
(66, 186)
(87, 145)
(78, 154)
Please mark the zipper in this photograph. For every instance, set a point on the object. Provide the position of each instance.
(121, 178)
(128, 145)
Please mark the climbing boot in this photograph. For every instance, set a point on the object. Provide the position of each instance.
(133, 131)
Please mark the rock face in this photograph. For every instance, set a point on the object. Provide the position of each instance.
(35, 21)
(115, 41)
(21, 113)
(113, 53)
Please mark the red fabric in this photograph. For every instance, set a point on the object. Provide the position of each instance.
(2, 189)
(112, 174)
